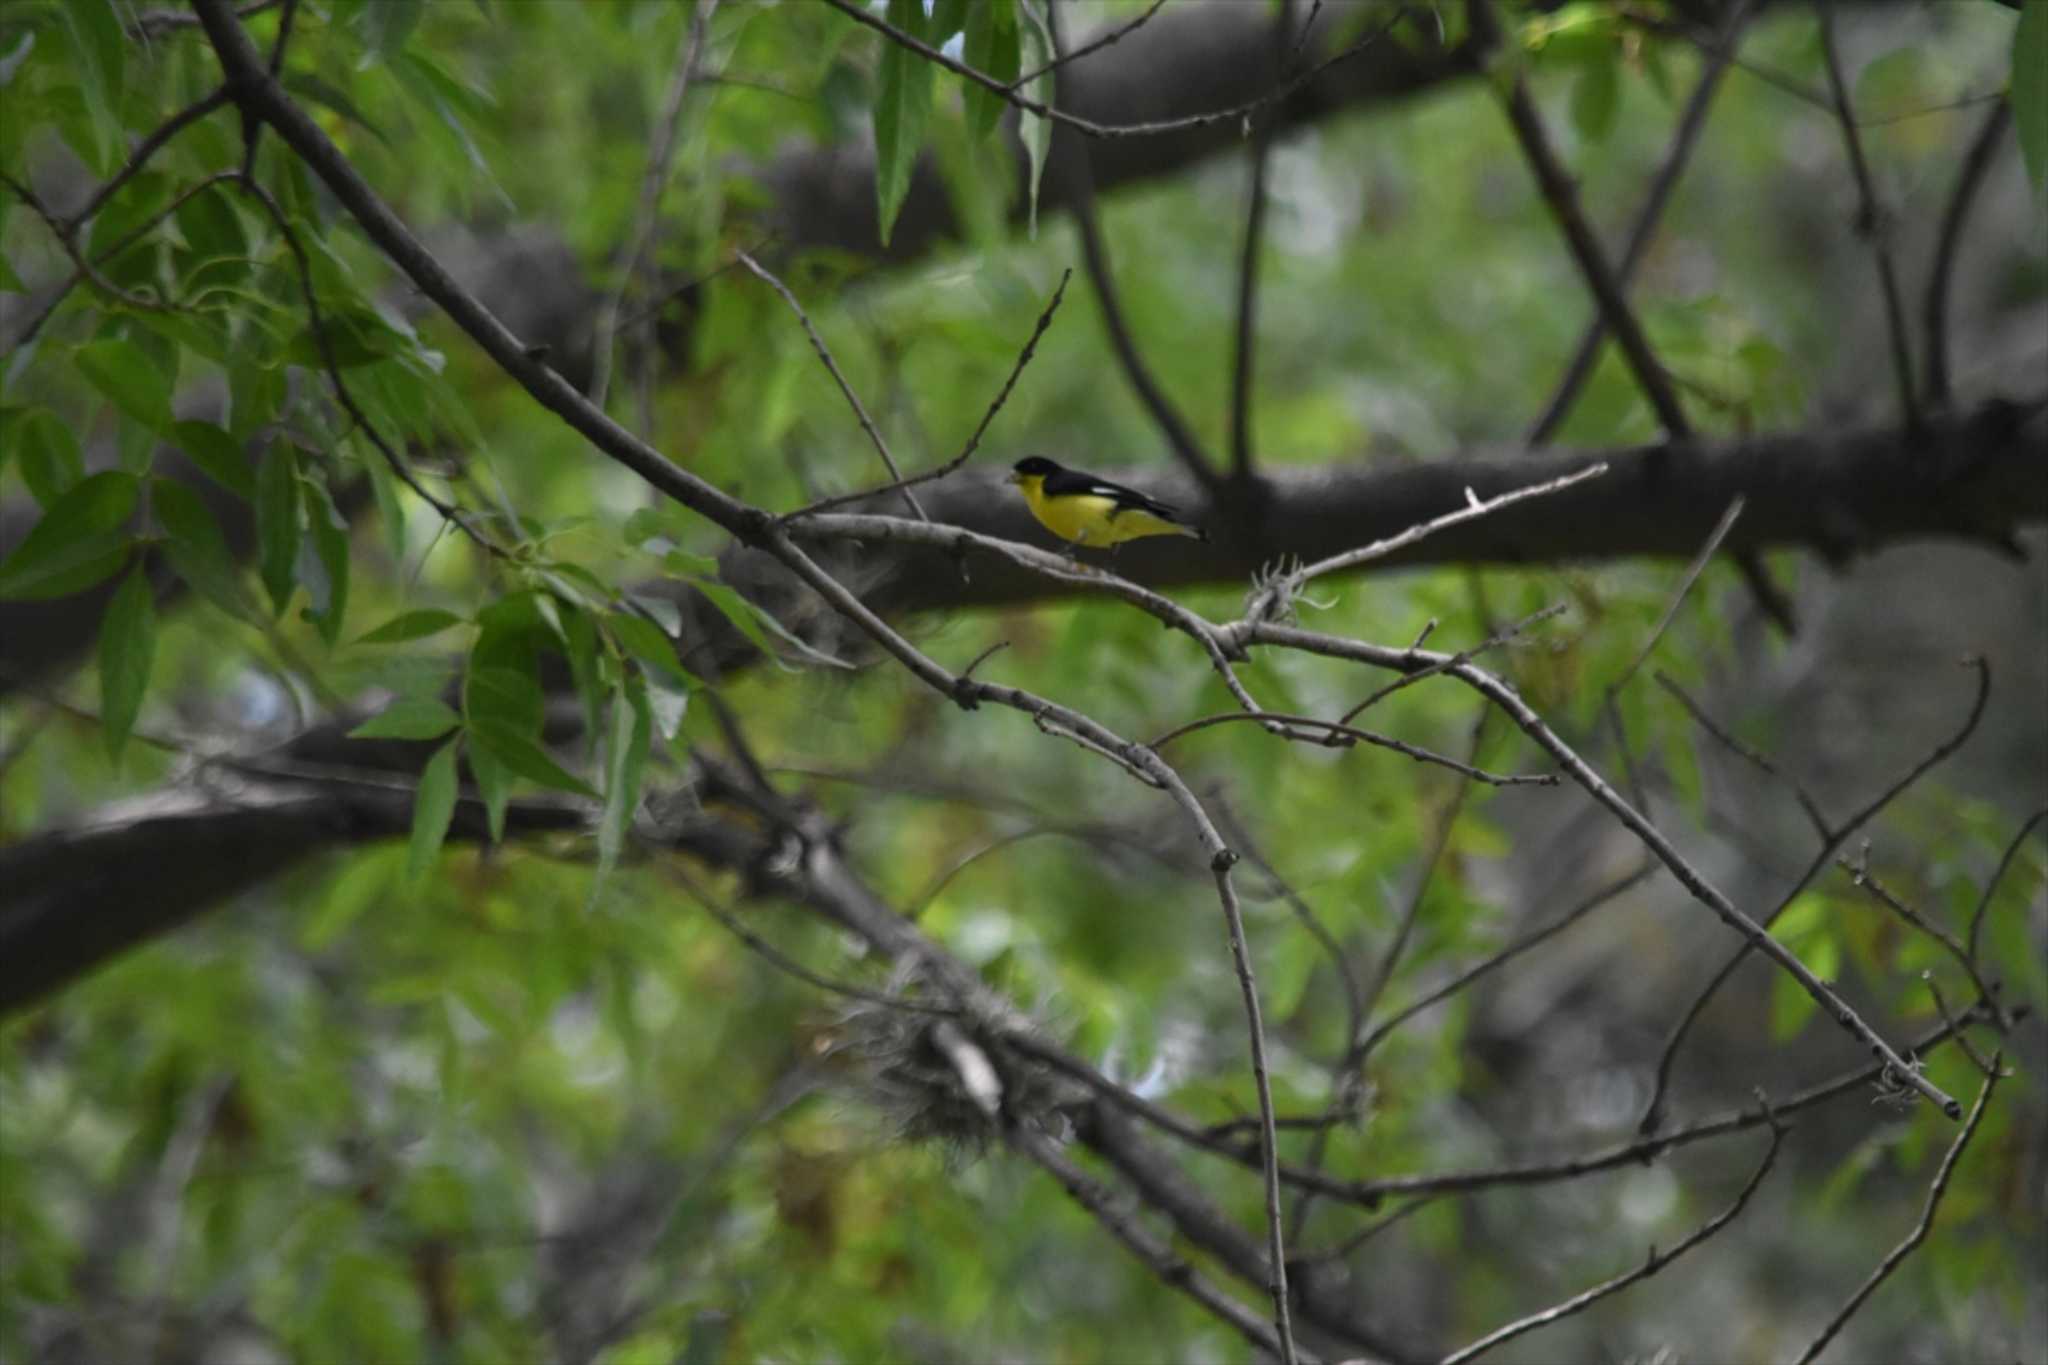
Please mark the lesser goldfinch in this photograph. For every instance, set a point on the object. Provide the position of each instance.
(1093, 512)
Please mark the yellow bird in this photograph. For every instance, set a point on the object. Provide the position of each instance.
(1085, 510)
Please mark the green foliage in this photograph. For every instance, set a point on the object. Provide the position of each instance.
(403, 1059)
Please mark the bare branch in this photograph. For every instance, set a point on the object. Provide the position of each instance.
(1506, 955)
(1653, 1263)
(1108, 38)
(832, 366)
(1702, 890)
(1560, 194)
(1690, 124)
(660, 157)
(1831, 840)
(1991, 885)
(974, 441)
(1920, 1230)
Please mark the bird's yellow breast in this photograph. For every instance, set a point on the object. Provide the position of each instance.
(1089, 519)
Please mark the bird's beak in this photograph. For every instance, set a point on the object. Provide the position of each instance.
(1013, 477)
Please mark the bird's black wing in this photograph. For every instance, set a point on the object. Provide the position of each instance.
(1069, 482)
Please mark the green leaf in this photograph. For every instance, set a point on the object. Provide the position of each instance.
(991, 48)
(211, 226)
(388, 23)
(123, 372)
(645, 641)
(127, 650)
(494, 785)
(2029, 91)
(948, 18)
(198, 551)
(669, 701)
(10, 282)
(48, 452)
(1035, 129)
(412, 625)
(316, 91)
(218, 456)
(324, 560)
(77, 543)
(100, 46)
(409, 718)
(625, 762)
(277, 522)
(525, 758)
(432, 808)
(1595, 96)
(749, 620)
(903, 105)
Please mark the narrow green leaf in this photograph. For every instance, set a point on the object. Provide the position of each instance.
(313, 90)
(10, 282)
(433, 808)
(323, 560)
(217, 455)
(277, 522)
(948, 18)
(2029, 91)
(504, 696)
(124, 373)
(50, 462)
(77, 543)
(412, 625)
(1596, 95)
(903, 105)
(127, 650)
(1035, 129)
(625, 762)
(646, 642)
(524, 757)
(198, 551)
(409, 718)
(210, 225)
(100, 46)
(990, 47)
(494, 785)
(669, 701)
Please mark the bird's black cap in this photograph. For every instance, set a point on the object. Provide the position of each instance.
(1035, 465)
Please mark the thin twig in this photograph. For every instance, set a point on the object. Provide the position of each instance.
(1144, 128)
(1493, 641)
(1961, 1034)
(1934, 307)
(1494, 961)
(1147, 1246)
(1872, 221)
(1261, 155)
(1990, 886)
(1830, 841)
(788, 965)
(1735, 746)
(1702, 890)
(1690, 124)
(1560, 194)
(1652, 1263)
(1920, 1230)
(1080, 179)
(832, 366)
(447, 510)
(1859, 873)
(1343, 736)
(1283, 586)
(1108, 38)
(974, 441)
(1678, 594)
(660, 157)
